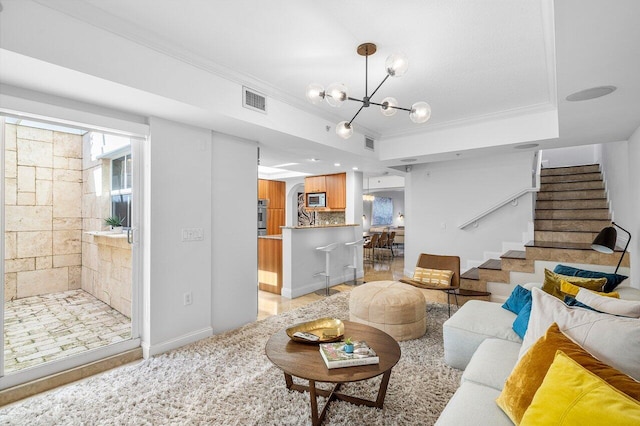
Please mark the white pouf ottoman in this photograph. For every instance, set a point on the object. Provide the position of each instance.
(396, 308)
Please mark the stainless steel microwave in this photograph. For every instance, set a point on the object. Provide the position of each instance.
(317, 199)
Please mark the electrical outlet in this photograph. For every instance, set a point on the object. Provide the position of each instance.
(188, 298)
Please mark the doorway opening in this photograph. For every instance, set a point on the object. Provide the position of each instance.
(67, 275)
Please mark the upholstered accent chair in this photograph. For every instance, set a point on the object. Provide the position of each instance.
(437, 272)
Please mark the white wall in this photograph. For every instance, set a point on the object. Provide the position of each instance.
(292, 187)
(353, 212)
(441, 196)
(615, 169)
(234, 294)
(178, 192)
(633, 225)
(398, 207)
(571, 156)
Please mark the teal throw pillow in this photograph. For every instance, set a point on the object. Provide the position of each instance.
(612, 279)
(521, 322)
(517, 300)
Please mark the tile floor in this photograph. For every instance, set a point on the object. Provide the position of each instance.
(385, 267)
(43, 328)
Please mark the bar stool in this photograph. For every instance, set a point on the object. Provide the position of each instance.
(327, 269)
(354, 265)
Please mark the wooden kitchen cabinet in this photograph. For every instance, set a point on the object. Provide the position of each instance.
(275, 219)
(336, 191)
(263, 189)
(274, 191)
(270, 265)
(315, 184)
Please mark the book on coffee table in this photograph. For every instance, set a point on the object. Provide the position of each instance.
(334, 355)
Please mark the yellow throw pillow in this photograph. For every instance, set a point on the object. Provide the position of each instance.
(567, 288)
(552, 283)
(527, 375)
(435, 277)
(571, 395)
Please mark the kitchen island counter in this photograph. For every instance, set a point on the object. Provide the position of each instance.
(302, 262)
(328, 225)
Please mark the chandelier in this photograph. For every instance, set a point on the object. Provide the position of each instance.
(336, 94)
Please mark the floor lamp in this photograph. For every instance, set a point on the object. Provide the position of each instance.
(605, 242)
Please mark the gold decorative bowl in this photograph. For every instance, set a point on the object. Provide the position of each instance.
(326, 329)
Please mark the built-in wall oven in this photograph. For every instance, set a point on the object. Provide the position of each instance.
(262, 217)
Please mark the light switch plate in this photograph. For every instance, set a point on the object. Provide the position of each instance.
(192, 234)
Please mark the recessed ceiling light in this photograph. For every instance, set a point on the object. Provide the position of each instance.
(354, 168)
(526, 146)
(592, 93)
(314, 159)
(336, 164)
(408, 160)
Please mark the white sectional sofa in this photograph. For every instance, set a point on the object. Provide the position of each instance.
(479, 339)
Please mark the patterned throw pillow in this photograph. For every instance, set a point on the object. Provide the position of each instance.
(435, 277)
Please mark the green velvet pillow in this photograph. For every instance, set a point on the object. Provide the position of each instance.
(552, 283)
(527, 375)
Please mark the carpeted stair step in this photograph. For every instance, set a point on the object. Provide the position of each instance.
(572, 170)
(572, 186)
(565, 236)
(491, 271)
(578, 177)
(570, 225)
(573, 252)
(516, 260)
(599, 214)
(583, 194)
(600, 203)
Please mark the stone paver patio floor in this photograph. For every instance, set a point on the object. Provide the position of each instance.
(43, 328)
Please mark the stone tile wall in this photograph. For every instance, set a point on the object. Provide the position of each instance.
(43, 211)
(106, 260)
(106, 273)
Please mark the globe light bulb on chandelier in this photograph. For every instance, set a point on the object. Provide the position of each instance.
(336, 94)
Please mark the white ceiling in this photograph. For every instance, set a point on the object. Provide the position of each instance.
(469, 59)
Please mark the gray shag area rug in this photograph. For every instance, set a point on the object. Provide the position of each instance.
(228, 380)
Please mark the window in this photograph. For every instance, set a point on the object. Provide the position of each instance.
(121, 188)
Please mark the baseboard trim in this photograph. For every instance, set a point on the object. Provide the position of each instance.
(24, 390)
(185, 339)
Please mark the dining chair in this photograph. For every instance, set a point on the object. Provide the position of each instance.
(371, 245)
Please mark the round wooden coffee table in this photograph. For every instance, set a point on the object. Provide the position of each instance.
(303, 360)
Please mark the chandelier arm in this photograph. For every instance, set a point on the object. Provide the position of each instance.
(381, 83)
(389, 106)
(354, 117)
(356, 99)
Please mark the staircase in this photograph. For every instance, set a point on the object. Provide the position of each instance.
(571, 209)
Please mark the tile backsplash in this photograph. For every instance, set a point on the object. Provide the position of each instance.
(333, 218)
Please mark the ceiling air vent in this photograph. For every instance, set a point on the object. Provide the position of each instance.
(254, 100)
(368, 143)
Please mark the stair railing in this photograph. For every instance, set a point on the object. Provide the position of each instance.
(513, 199)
